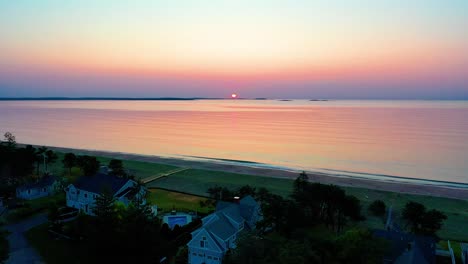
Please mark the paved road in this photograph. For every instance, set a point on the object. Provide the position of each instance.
(20, 250)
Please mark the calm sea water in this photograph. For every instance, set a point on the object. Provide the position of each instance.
(417, 139)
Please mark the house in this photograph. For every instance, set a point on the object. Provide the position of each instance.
(45, 186)
(82, 194)
(220, 230)
(406, 248)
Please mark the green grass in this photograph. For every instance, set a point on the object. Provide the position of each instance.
(167, 201)
(56, 251)
(198, 181)
(443, 244)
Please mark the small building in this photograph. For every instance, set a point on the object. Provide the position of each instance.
(407, 248)
(220, 230)
(82, 194)
(45, 186)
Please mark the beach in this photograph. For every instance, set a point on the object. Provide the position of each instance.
(429, 188)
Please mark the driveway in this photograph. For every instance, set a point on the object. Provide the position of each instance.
(20, 250)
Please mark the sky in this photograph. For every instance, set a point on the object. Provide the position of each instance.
(367, 49)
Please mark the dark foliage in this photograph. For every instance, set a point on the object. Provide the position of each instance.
(89, 165)
(16, 164)
(69, 161)
(4, 247)
(377, 208)
(117, 168)
(422, 221)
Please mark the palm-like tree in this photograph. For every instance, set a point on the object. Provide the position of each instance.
(40, 157)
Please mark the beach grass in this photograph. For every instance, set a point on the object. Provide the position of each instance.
(197, 182)
(169, 200)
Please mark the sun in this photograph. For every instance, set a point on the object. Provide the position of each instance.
(233, 96)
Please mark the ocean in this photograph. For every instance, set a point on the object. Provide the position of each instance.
(409, 139)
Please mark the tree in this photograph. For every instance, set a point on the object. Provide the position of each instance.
(10, 139)
(422, 221)
(89, 165)
(4, 247)
(51, 157)
(413, 214)
(117, 168)
(246, 190)
(377, 208)
(69, 161)
(432, 221)
(359, 246)
(105, 205)
(40, 152)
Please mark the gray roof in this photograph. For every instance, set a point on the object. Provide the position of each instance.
(221, 227)
(100, 182)
(218, 223)
(41, 183)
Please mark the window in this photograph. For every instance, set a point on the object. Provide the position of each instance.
(202, 243)
(85, 195)
(43, 189)
(209, 257)
(215, 258)
(78, 192)
(200, 255)
(29, 191)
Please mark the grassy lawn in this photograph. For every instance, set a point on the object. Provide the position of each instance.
(56, 251)
(167, 200)
(198, 181)
(443, 244)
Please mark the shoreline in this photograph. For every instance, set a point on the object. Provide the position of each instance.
(432, 189)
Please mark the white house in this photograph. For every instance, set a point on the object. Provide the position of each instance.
(220, 230)
(82, 194)
(45, 186)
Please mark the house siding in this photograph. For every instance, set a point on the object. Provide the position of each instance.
(35, 192)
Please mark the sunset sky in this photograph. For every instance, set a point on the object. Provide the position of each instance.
(393, 49)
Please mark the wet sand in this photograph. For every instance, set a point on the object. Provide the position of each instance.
(247, 168)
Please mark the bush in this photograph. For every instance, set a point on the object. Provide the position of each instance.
(4, 248)
(377, 208)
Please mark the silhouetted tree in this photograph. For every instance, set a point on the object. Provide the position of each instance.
(51, 157)
(117, 168)
(89, 165)
(69, 161)
(413, 213)
(377, 208)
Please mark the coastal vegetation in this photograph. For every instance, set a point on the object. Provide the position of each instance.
(4, 247)
(312, 226)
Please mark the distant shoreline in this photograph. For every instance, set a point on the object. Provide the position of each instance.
(419, 187)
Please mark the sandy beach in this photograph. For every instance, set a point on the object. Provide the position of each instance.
(431, 189)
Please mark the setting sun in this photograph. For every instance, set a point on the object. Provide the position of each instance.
(233, 96)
